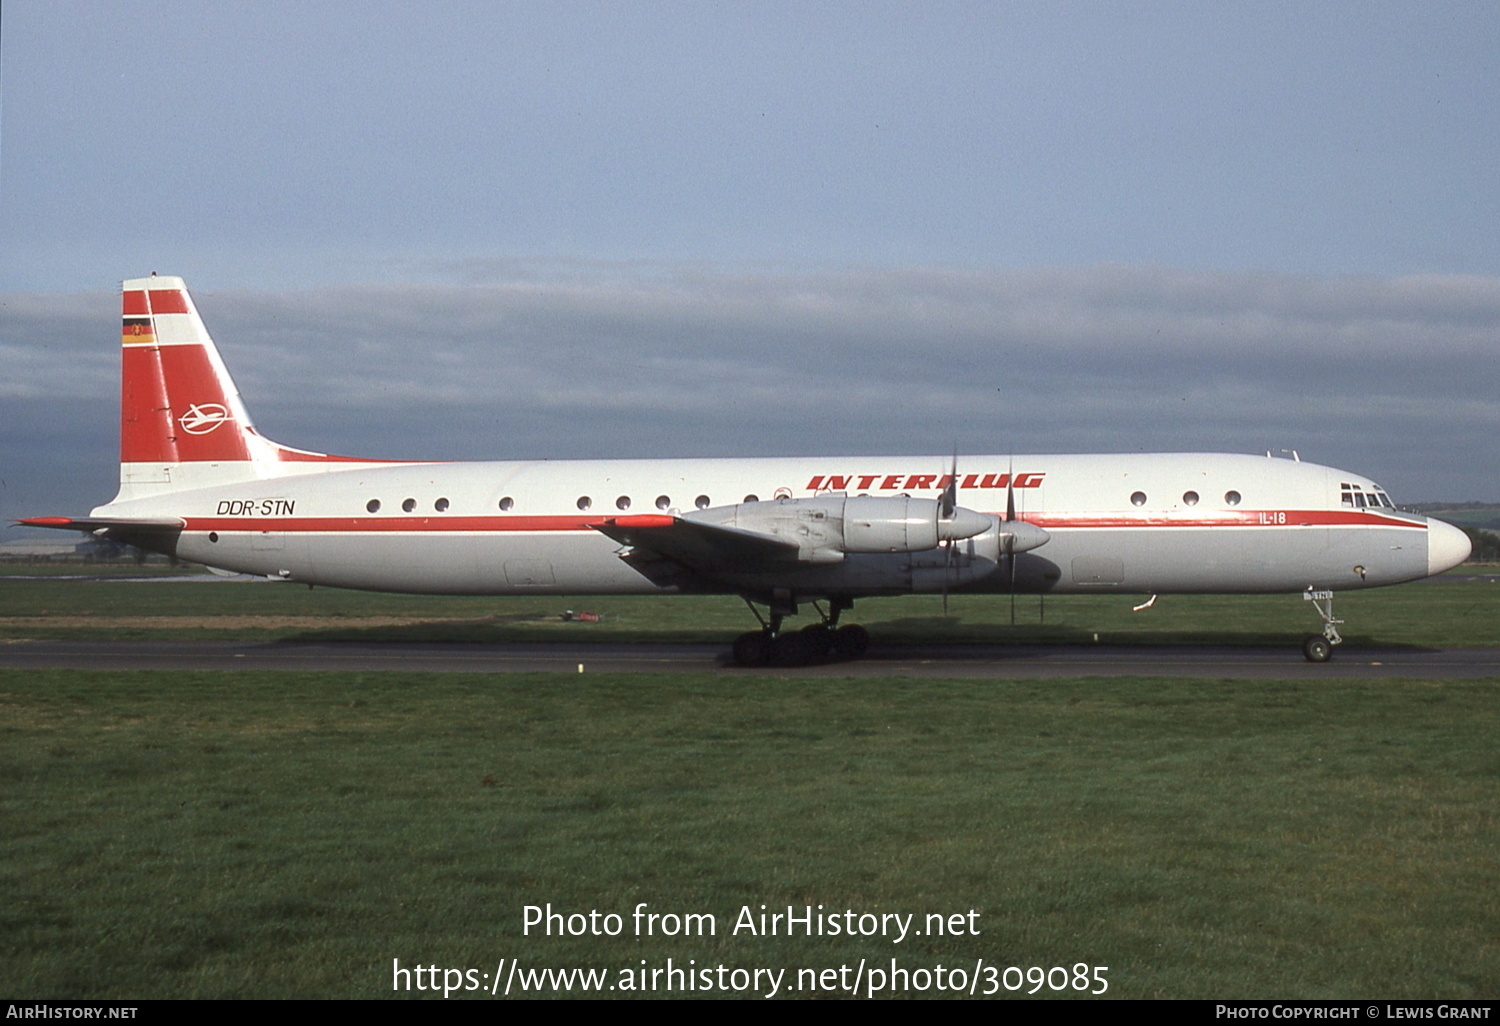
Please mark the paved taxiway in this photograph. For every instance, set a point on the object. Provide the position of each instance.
(1015, 661)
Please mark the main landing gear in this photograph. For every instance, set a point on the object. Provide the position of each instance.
(772, 646)
(1319, 647)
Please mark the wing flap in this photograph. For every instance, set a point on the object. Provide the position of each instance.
(702, 547)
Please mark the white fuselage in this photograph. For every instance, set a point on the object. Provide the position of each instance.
(1160, 523)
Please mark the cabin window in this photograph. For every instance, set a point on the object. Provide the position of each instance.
(213, 536)
(1231, 498)
(373, 505)
(441, 505)
(623, 502)
(663, 502)
(1190, 498)
(585, 503)
(701, 502)
(507, 504)
(409, 504)
(1138, 499)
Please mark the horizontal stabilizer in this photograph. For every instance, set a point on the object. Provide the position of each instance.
(130, 530)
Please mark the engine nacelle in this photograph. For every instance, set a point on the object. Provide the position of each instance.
(825, 528)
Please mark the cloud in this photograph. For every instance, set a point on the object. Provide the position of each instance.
(1394, 377)
(59, 346)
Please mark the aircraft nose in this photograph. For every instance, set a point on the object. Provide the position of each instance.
(1447, 547)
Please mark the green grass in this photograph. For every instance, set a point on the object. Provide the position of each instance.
(263, 834)
(155, 567)
(1422, 614)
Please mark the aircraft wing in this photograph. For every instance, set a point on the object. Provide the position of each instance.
(700, 547)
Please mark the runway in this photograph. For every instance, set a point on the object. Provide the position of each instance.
(993, 661)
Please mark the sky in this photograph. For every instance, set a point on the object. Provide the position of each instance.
(553, 230)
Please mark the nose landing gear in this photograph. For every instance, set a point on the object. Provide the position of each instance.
(1319, 647)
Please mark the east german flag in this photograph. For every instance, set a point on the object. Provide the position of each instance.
(138, 332)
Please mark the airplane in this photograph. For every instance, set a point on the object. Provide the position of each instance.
(198, 482)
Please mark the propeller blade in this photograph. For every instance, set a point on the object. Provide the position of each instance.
(947, 569)
(947, 508)
(1010, 491)
(1010, 539)
(1010, 555)
(948, 501)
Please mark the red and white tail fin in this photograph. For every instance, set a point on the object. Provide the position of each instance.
(182, 422)
(177, 401)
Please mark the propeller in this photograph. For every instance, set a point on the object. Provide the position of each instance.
(1008, 538)
(947, 507)
(948, 501)
(1016, 536)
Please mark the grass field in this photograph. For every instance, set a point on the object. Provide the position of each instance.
(289, 834)
(1421, 614)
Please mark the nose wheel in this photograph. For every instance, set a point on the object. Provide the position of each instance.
(1319, 647)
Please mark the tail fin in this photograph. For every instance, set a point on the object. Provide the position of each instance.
(182, 422)
(178, 403)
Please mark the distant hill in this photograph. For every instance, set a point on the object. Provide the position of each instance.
(1484, 516)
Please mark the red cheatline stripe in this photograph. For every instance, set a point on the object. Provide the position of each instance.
(299, 456)
(506, 524)
(1251, 518)
(384, 525)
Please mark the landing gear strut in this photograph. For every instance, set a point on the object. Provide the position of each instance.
(1319, 647)
(771, 645)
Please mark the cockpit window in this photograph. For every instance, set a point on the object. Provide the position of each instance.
(1354, 495)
